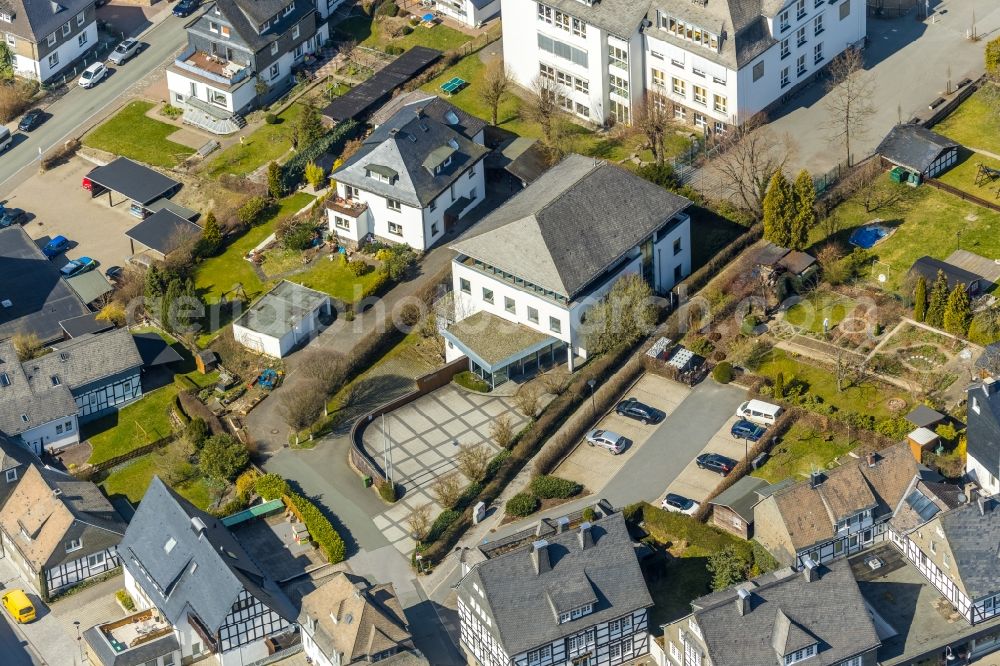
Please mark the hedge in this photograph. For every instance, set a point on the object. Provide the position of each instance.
(522, 504)
(271, 487)
(723, 372)
(293, 171)
(441, 523)
(553, 487)
(320, 528)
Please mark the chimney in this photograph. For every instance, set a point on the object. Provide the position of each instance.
(586, 536)
(815, 479)
(984, 503)
(990, 385)
(562, 524)
(540, 556)
(420, 112)
(743, 601)
(810, 570)
(870, 459)
(198, 526)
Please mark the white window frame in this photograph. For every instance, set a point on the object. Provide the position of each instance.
(274, 48)
(53, 58)
(341, 223)
(81, 39)
(818, 24)
(393, 204)
(296, 31)
(11, 475)
(80, 18)
(395, 228)
(74, 545)
(95, 559)
(67, 28)
(51, 40)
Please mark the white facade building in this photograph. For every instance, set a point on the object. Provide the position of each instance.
(524, 281)
(415, 177)
(472, 13)
(282, 319)
(715, 63)
(46, 39)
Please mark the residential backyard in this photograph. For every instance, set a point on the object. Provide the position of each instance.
(819, 307)
(131, 133)
(802, 450)
(975, 123)
(966, 172)
(265, 144)
(131, 479)
(376, 34)
(135, 425)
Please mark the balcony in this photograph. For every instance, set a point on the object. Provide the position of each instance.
(146, 630)
(350, 207)
(213, 67)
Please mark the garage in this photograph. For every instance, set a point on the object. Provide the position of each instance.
(282, 319)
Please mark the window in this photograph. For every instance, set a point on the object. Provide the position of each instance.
(95, 559)
(274, 48)
(579, 28)
(68, 426)
(583, 110)
(555, 325)
(532, 315)
(659, 78)
(224, 30)
(487, 295)
(621, 624)
(73, 544)
(818, 53)
(720, 104)
(680, 113)
(692, 33)
(697, 72)
(720, 127)
(465, 286)
(758, 70)
(536, 656)
(51, 40)
(341, 223)
(845, 11)
(818, 24)
(508, 304)
(4, 16)
(784, 77)
(395, 229)
(582, 640)
(620, 112)
(700, 121)
(393, 204)
(783, 21)
(799, 655)
(67, 28)
(656, 54)
(10, 39)
(195, 647)
(800, 8)
(213, 27)
(617, 57)
(55, 380)
(692, 655)
(80, 18)
(289, 9)
(800, 65)
(800, 36)
(679, 87)
(11, 475)
(59, 429)
(168, 659)
(434, 229)
(295, 31)
(675, 654)
(274, 71)
(81, 39)
(618, 85)
(547, 72)
(53, 58)
(5, 381)
(853, 661)
(563, 50)
(677, 246)
(700, 95)
(695, 629)
(785, 50)
(217, 97)
(676, 63)
(544, 13)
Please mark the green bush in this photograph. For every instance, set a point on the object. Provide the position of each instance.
(468, 495)
(589, 514)
(387, 8)
(723, 372)
(125, 599)
(271, 119)
(387, 491)
(407, 30)
(522, 504)
(553, 487)
(359, 267)
(320, 529)
(223, 457)
(271, 486)
(441, 523)
(495, 464)
(232, 506)
(393, 49)
(252, 210)
(196, 432)
(466, 379)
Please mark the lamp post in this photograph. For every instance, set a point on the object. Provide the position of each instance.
(593, 404)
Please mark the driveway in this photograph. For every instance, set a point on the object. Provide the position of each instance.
(697, 484)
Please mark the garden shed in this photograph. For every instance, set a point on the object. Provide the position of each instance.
(918, 150)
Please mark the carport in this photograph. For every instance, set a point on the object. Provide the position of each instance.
(138, 184)
(90, 286)
(162, 232)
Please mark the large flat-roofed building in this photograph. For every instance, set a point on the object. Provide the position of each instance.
(282, 319)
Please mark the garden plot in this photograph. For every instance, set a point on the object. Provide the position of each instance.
(925, 358)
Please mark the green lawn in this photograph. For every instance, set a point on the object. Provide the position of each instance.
(135, 425)
(817, 307)
(334, 278)
(963, 175)
(800, 451)
(132, 134)
(132, 480)
(371, 34)
(975, 124)
(266, 144)
(869, 398)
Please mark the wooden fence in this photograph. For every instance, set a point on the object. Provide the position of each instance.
(962, 194)
(125, 457)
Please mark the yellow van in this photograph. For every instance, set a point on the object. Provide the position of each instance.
(19, 606)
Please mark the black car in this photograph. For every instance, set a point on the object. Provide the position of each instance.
(31, 120)
(11, 216)
(114, 273)
(744, 429)
(185, 8)
(634, 409)
(713, 462)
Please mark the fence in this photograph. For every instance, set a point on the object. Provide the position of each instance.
(962, 194)
(125, 457)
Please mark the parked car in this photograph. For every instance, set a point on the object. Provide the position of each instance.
(606, 439)
(185, 8)
(125, 51)
(92, 75)
(714, 462)
(114, 273)
(639, 411)
(11, 216)
(55, 247)
(18, 605)
(759, 411)
(78, 266)
(679, 504)
(747, 430)
(31, 120)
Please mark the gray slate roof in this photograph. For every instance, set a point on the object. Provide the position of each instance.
(787, 612)
(564, 230)
(983, 432)
(224, 569)
(740, 25)
(405, 143)
(923, 416)
(913, 146)
(86, 359)
(279, 310)
(741, 496)
(25, 404)
(974, 540)
(35, 20)
(524, 605)
(245, 16)
(619, 17)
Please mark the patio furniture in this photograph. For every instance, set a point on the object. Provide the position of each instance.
(453, 85)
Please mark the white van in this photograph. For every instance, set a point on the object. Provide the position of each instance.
(5, 138)
(759, 411)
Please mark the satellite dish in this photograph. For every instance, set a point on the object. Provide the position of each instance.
(882, 277)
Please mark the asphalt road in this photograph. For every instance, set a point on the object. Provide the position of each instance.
(78, 109)
(12, 647)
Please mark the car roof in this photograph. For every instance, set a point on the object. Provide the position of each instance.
(129, 41)
(611, 434)
(57, 239)
(93, 67)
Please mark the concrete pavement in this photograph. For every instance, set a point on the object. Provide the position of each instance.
(77, 110)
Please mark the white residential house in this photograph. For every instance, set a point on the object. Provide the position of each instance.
(282, 319)
(416, 175)
(716, 63)
(46, 38)
(526, 274)
(188, 566)
(472, 13)
(578, 597)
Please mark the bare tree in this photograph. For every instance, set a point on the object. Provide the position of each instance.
(527, 400)
(502, 431)
(495, 86)
(864, 181)
(27, 345)
(755, 153)
(831, 224)
(652, 120)
(542, 107)
(419, 521)
(472, 460)
(849, 99)
(447, 490)
(300, 404)
(327, 367)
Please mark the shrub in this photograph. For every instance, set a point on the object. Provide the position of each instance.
(59, 155)
(320, 528)
(234, 505)
(407, 30)
(387, 9)
(410, 314)
(15, 98)
(393, 49)
(440, 524)
(297, 236)
(358, 267)
(387, 491)
(723, 372)
(589, 514)
(223, 457)
(196, 432)
(271, 119)
(246, 482)
(496, 463)
(466, 379)
(333, 142)
(522, 504)
(554, 487)
(252, 210)
(125, 599)
(271, 486)
(400, 262)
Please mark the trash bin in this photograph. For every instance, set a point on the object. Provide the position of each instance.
(367, 481)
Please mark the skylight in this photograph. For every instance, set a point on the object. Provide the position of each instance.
(451, 118)
(169, 545)
(4, 379)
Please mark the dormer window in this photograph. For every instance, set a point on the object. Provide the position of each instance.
(73, 544)
(381, 173)
(264, 26)
(4, 16)
(224, 30)
(288, 10)
(576, 613)
(800, 655)
(213, 27)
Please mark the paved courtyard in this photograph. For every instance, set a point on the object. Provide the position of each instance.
(425, 436)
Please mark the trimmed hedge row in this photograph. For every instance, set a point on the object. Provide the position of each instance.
(521, 505)
(271, 487)
(293, 171)
(554, 487)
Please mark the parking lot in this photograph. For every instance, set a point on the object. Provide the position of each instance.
(594, 466)
(695, 483)
(57, 204)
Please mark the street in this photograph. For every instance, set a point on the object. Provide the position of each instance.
(78, 109)
(12, 647)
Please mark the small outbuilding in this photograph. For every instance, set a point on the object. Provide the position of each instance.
(928, 267)
(138, 184)
(90, 286)
(282, 319)
(161, 233)
(923, 416)
(918, 150)
(920, 440)
(732, 509)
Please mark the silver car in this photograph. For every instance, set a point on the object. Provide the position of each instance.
(607, 439)
(125, 51)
